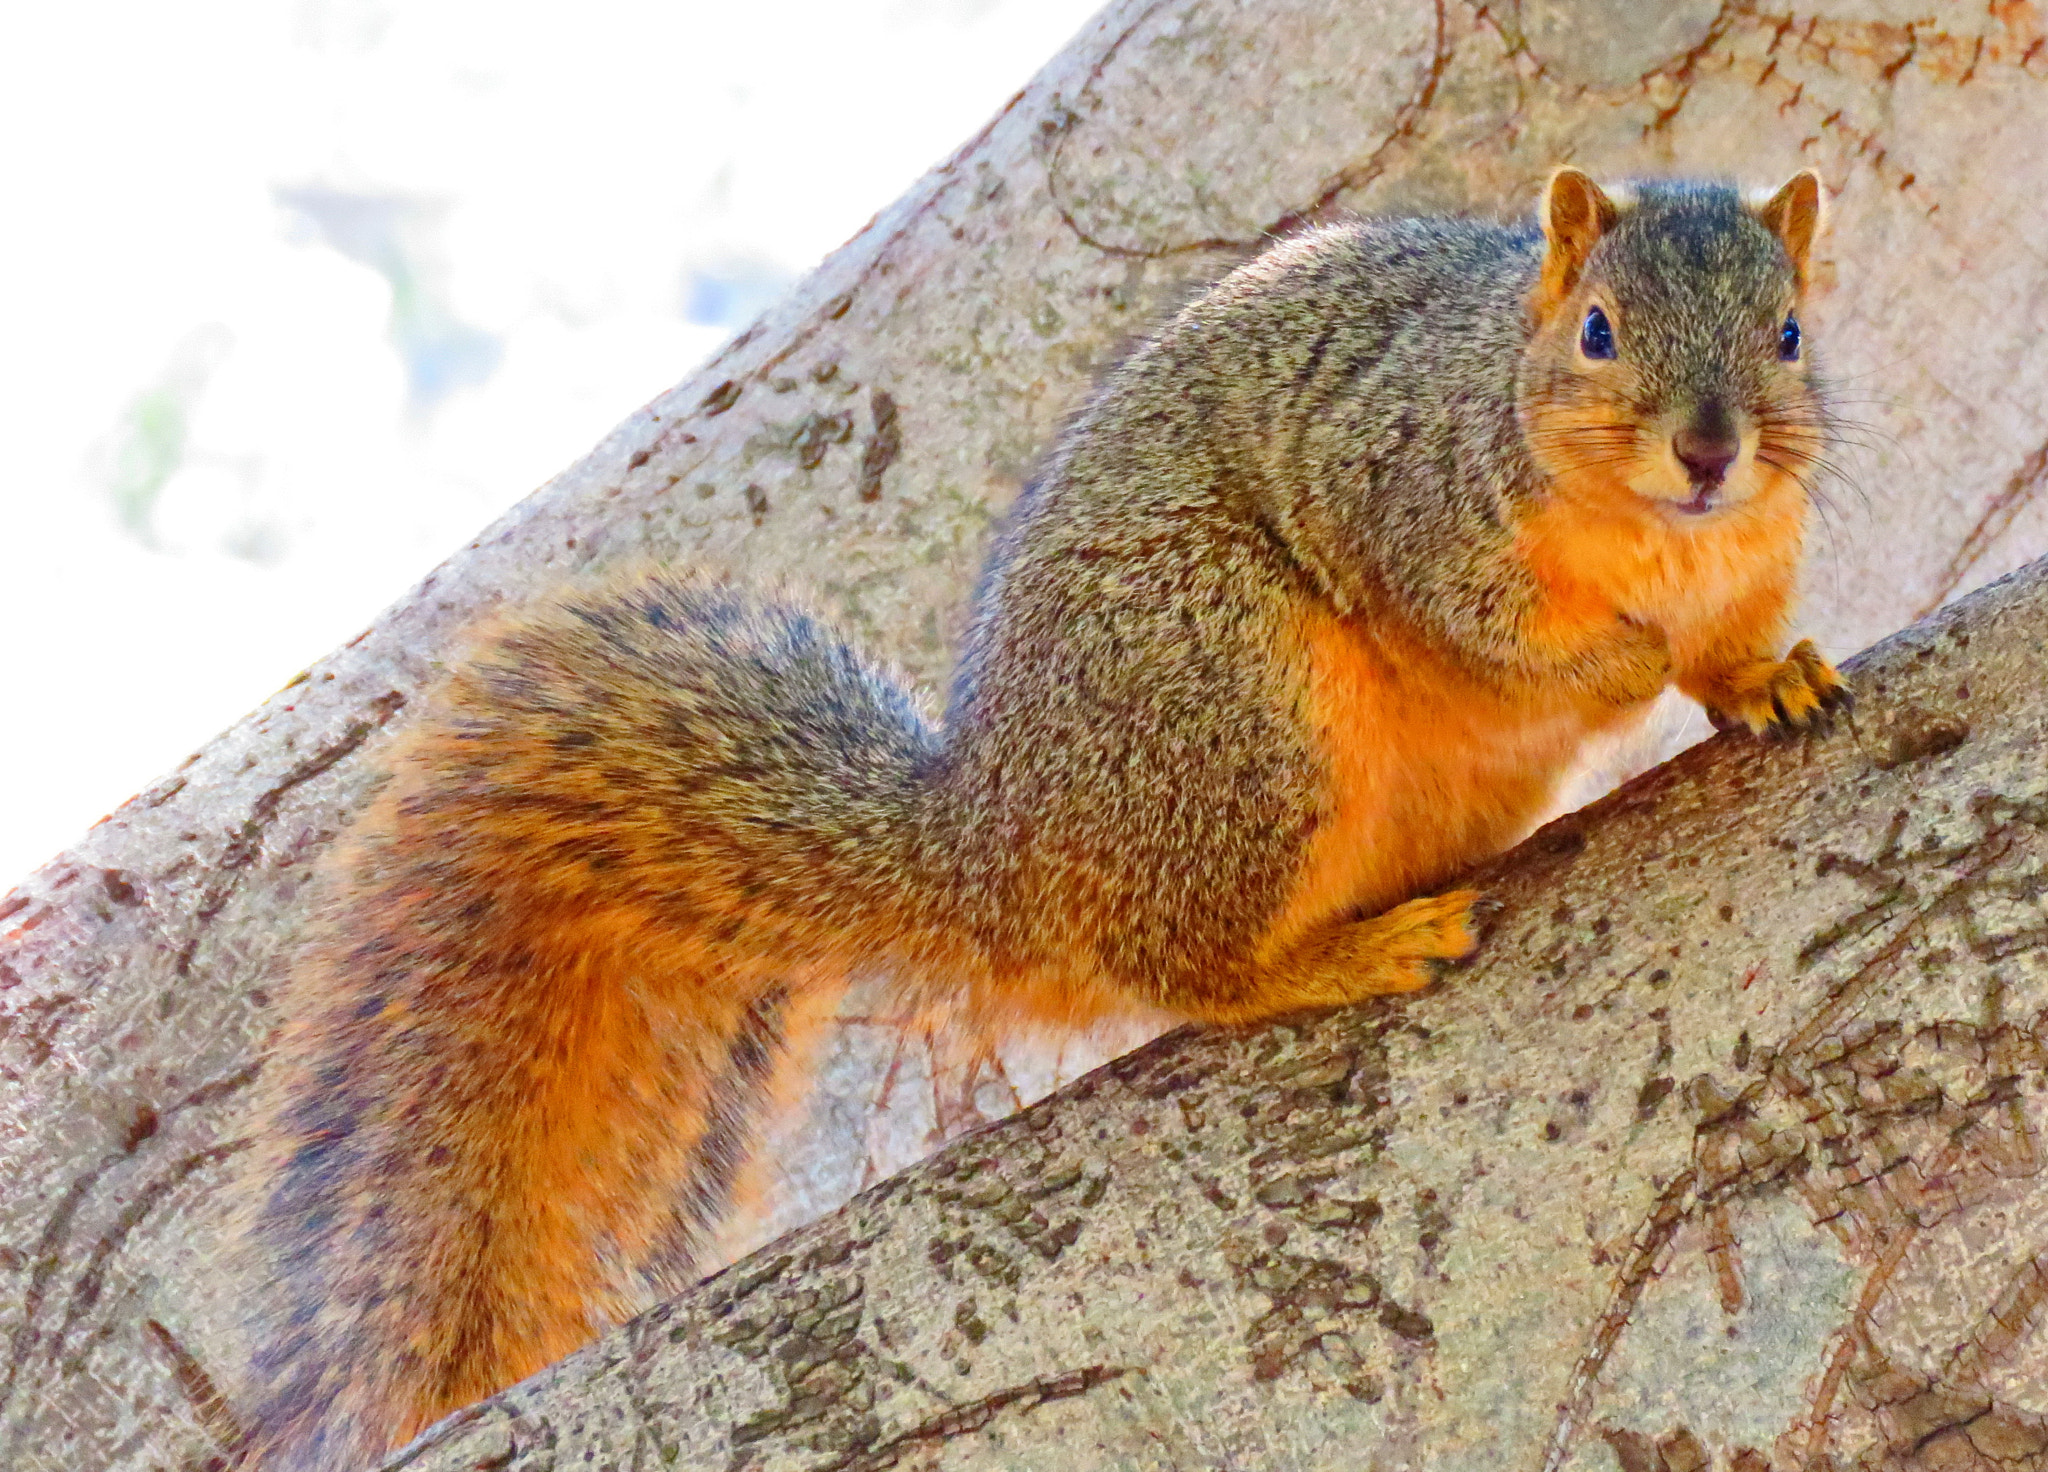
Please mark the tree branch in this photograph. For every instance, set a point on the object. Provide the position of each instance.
(860, 439)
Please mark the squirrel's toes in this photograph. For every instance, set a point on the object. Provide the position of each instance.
(1780, 697)
(1396, 951)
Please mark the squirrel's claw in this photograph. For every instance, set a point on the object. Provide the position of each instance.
(1798, 695)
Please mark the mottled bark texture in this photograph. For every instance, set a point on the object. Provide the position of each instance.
(1601, 1192)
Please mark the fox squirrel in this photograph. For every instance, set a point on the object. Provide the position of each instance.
(1310, 608)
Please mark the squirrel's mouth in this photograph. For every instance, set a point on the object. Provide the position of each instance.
(1689, 499)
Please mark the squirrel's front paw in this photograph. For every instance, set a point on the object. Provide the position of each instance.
(1800, 692)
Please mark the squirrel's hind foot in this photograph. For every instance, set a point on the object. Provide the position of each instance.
(1800, 693)
(1399, 950)
(1412, 941)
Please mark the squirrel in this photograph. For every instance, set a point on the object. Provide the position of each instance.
(1309, 609)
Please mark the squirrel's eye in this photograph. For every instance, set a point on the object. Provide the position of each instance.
(1596, 337)
(1788, 340)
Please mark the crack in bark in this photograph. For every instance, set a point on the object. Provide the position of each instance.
(1992, 522)
(85, 1289)
(209, 1406)
(1696, 1192)
(1943, 57)
(1666, 1217)
(1404, 126)
(1682, 69)
(47, 1255)
(245, 844)
(446, 1430)
(964, 1420)
(2002, 1325)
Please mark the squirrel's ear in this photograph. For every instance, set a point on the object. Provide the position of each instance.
(1793, 214)
(1575, 215)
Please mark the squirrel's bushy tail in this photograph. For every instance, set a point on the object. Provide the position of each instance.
(548, 986)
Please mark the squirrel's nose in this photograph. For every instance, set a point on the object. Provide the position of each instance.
(1706, 451)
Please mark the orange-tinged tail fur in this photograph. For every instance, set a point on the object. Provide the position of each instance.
(531, 1032)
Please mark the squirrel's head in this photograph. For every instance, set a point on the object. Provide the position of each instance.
(1667, 370)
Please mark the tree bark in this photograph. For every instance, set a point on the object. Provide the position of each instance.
(859, 440)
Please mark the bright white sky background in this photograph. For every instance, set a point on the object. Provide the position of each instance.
(299, 294)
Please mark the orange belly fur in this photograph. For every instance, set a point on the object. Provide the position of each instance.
(1428, 770)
